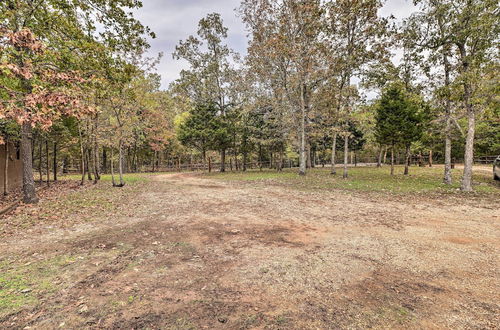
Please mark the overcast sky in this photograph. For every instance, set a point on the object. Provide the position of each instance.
(174, 20)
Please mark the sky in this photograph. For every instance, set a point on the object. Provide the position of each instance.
(175, 20)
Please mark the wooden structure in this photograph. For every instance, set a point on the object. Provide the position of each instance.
(10, 157)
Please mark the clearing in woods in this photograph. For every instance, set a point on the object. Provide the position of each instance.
(187, 252)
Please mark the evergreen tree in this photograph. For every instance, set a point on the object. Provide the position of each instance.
(399, 120)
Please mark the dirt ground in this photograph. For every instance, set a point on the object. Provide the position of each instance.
(197, 253)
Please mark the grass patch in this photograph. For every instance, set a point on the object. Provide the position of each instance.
(14, 293)
(420, 180)
(21, 285)
(81, 204)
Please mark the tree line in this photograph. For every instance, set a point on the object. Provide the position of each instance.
(76, 89)
(309, 64)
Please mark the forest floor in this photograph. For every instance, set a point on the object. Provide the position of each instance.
(241, 251)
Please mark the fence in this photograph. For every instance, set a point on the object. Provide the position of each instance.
(288, 163)
(215, 166)
(485, 160)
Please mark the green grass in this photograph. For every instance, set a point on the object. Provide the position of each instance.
(22, 284)
(420, 180)
(12, 295)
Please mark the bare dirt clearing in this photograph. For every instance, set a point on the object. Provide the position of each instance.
(189, 252)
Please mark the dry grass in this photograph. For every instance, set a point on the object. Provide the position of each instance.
(191, 253)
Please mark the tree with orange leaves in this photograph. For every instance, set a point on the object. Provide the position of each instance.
(34, 92)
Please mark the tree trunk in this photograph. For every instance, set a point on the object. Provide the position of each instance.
(95, 159)
(82, 155)
(89, 169)
(346, 155)
(120, 163)
(469, 152)
(128, 163)
(385, 155)
(104, 160)
(94, 165)
(223, 160)
(29, 192)
(407, 162)
(65, 164)
(280, 163)
(303, 155)
(112, 168)
(6, 170)
(154, 161)
(204, 159)
(55, 161)
(96, 152)
(40, 160)
(380, 155)
(447, 131)
(334, 153)
(209, 164)
(235, 152)
(392, 160)
(447, 160)
(471, 125)
(244, 165)
(309, 156)
(260, 157)
(135, 158)
(47, 161)
(430, 158)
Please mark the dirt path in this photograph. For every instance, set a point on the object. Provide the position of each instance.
(198, 253)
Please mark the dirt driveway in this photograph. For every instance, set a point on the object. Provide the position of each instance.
(193, 253)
